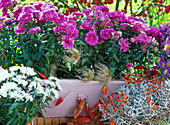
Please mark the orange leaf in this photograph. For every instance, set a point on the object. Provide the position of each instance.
(82, 119)
(77, 110)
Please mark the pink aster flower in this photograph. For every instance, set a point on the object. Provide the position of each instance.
(124, 45)
(86, 25)
(86, 11)
(67, 42)
(34, 29)
(25, 17)
(19, 29)
(4, 11)
(91, 38)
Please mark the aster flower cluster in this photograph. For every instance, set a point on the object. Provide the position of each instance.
(20, 85)
(163, 60)
(116, 36)
(41, 13)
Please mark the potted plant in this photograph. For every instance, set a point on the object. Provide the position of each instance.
(23, 94)
(93, 44)
(144, 100)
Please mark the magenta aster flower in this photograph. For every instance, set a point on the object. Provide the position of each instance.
(34, 29)
(25, 17)
(129, 65)
(29, 9)
(91, 38)
(86, 11)
(67, 42)
(17, 10)
(86, 25)
(72, 33)
(2, 18)
(153, 31)
(78, 14)
(59, 19)
(100, 41)
(50, 15)
(19, 29)
(124, 45)
(4, 11)
(106, 33)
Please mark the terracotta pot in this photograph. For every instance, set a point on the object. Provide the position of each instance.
(83, 90)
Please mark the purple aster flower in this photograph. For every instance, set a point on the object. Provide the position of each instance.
(165, 72)
(17, 10)
(124, 45)
(91, 38)
(25, 17)
(163, 64)
(162, 27)
(159, 60)
(167, 49)
(19, 29)
(34, 29)
(86, 25)
(129, 65)
(67, 42)
(168, 64)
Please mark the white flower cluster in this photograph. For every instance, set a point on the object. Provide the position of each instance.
(12, 90)
(4, 74)
(25, 85)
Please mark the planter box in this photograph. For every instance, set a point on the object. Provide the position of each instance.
(83, 90)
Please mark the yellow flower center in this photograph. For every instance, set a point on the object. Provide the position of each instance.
(165, 71)
(91, 38)
(168, 64)
(26, 17)
(167, 47)
(59, 18)
(158, 60)
(166, 23)
(166, 39)
(163, 64)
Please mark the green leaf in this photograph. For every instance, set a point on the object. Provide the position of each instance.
(84, 60)
(126, 56)
(115, 57)
(139, 56)
(25, 55)
(112, 68)
(68, 65)
(135, 1)
(14, 105)
(79, 23)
